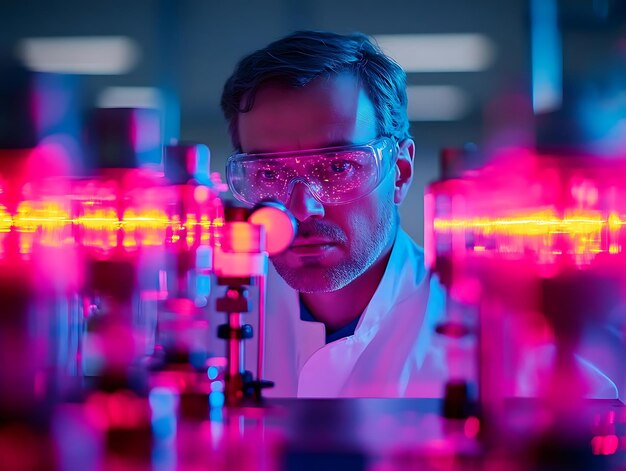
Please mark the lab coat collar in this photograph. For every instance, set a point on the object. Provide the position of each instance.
(403, 272)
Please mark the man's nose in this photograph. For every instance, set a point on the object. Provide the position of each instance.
(303, 204)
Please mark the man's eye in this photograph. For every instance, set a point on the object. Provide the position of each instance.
(341, 166)
(267, 175)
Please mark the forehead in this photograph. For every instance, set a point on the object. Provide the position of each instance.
(329, 111)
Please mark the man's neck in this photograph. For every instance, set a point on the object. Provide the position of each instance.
(338, 308)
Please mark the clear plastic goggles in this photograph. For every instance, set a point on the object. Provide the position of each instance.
(334, 175)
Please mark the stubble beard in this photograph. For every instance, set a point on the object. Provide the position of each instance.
(362, 252)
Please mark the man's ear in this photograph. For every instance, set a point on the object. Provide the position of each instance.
(404, 170)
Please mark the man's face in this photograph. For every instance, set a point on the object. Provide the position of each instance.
(335, 244)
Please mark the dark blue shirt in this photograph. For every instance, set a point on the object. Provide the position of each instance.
(340, 333)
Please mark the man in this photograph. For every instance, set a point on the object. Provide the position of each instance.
(319, 122)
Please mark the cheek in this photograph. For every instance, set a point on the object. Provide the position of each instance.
(377, 204)
(363, 216)
(360, 218)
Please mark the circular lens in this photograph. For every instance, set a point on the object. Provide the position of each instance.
(279, 224)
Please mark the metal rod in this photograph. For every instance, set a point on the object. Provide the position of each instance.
(261, 328)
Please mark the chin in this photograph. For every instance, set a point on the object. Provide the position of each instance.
(315, 279)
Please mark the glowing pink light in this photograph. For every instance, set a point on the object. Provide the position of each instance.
(191, 160)
(604, 444)
(201, 194)
(548, 211)
(471, 427)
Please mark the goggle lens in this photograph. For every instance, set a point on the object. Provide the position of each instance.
(334, 176)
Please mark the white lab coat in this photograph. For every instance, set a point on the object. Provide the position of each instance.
(391, 354)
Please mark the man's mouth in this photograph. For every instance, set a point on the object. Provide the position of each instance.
(311, 246)
(311, 241)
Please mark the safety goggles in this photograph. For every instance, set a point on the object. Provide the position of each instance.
(334, 175)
